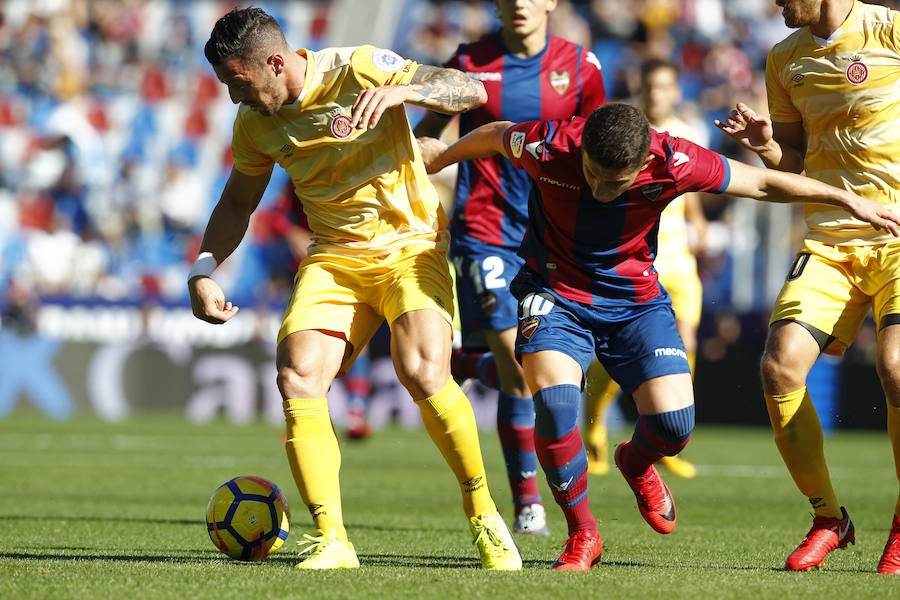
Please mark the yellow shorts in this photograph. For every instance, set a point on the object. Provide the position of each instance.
(833, 287)
(686, 290)
(350, 297)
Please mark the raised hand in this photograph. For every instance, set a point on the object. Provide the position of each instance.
(751, 130)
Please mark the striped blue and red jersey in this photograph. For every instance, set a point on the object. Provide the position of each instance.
(563, 80)
(601, 253)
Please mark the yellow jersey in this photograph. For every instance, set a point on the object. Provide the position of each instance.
(365, 192)
(674, 252)
(846, 92)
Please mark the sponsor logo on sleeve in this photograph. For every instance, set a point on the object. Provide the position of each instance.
(516, 143)
(387, 61)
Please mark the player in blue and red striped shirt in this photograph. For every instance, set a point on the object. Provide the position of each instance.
(589, 286)
(527, 74)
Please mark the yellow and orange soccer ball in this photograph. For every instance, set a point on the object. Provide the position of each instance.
(248, 518)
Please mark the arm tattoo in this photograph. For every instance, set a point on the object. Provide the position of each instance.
(447, 91)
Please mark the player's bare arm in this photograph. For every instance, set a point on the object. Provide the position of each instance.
(780, 145)
(432, 125)
(481, 142)
(225, 230)
(777, 186)
(693, 213)
(447, 91)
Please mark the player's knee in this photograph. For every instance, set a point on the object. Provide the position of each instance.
(777, 373)
(556, 410)
(667, 433)
(302, 380)
(422, 378)
(888, 367)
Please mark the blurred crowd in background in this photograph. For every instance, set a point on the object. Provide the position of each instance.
(114, 134)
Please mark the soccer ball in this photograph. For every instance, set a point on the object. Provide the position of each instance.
(248, 518)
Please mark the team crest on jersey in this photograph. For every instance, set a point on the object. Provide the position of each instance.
(516, 143)
(652, 191)
(560, 81)
(857, 71)
(340, 127)
(387, 61)
(529, 326)
(488, 301)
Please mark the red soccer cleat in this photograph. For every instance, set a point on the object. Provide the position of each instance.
(357, 426)
(826, 535)
(890, 558)
(582, 552)
(653, 496)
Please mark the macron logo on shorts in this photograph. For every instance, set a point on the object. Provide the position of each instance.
(670, 352)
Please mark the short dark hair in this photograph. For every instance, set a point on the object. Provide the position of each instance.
(654, 64)
(616, 136)
(243, 34)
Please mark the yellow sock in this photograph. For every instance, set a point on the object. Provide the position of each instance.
(799, 437)
(450, 422)
(315, 459)
(600, 393)
(893, 427)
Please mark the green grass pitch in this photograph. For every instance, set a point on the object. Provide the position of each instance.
(94, 510)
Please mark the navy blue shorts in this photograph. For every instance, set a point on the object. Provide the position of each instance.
(483, 275)
(634, 343)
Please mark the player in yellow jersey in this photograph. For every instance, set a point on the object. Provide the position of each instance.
(834, 111)
(660, 95)
(334, 120)
(528, 74)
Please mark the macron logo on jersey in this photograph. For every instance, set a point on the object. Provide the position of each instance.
(670, 352)
(485, 75)
(387, 60)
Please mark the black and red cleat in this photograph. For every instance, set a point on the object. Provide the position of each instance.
(653, 497)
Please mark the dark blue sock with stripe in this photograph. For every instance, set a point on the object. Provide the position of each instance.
(655, 436)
